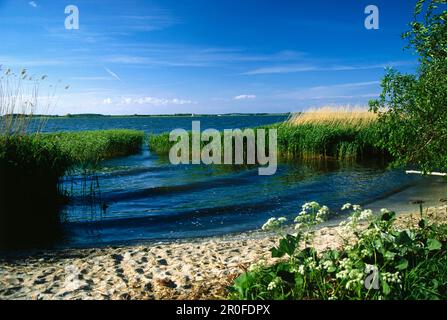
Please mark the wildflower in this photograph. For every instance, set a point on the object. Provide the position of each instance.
(274, 284)
(346, 206)
(301, 270)
(365, 214)
(356, 207)
(327, 265)
(256, 266)
(310, 205)
(384, 210)
(298, 226)
(391, 277)
(273, 223)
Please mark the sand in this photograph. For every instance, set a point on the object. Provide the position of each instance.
(196, 269)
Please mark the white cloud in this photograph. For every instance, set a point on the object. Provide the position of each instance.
(155, 101)
(245, 97)
(107, 101)
(33, 4)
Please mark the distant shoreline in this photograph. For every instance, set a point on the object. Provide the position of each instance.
(178, 115)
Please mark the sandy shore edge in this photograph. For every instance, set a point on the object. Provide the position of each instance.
(195, 269)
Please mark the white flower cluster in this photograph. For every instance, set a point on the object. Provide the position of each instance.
(301, 269)
(328, 265)
(357, 215)
(311, 214)
(257, 266)
(348, 272)
(274, 284)
(391, 277)
(274, 224)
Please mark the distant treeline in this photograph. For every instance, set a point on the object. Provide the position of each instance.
(96, 115)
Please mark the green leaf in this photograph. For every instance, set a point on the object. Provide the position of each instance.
(403, 264)
(385, 288)
(433, 244)
(403, 238)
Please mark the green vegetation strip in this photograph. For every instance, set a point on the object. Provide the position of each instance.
(319, 140)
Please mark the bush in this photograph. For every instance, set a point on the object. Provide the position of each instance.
(379, 261)
(413, 107)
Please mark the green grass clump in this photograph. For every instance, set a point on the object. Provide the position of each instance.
(87, 148)
(30, 169)
(309, 140)
(159, 143)
(377, 261)
(320, 140)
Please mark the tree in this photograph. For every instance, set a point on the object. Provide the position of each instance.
(412, 108)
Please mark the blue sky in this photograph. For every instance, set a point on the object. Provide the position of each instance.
(206, 56)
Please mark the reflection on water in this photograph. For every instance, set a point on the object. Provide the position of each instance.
(144, 197)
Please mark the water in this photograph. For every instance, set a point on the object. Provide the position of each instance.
(144, 197)
(158, 124)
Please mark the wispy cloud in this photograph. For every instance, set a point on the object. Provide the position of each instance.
(33, 4)
(315, 67)
(155, 101)
(350, 90)
(113, 74)
(245, 97)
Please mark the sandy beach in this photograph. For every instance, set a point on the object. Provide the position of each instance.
(196, 269)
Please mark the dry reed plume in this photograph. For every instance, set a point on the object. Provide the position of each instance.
(353, 116)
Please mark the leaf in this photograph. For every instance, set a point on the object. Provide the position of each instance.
(388, 216)
(433, 244)
(422, 223)
(287, 246)
(403, 238)
(403, 264)
(385, 288)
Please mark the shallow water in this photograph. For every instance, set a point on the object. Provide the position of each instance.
(143, 197)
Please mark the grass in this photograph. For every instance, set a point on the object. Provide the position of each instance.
(340, 133)
(87, 148)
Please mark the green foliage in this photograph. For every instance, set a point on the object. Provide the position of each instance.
(30, 169)
(378, 261)
(87, 148)
(413, 108)
(340, 141)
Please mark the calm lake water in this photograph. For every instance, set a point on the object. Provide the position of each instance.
(143, 197)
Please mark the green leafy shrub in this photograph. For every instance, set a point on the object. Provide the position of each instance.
(413, 107)
(378, 261)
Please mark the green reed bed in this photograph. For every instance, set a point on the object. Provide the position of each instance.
(30, 170)
(310, 140)
(87, 148)
(320, 140)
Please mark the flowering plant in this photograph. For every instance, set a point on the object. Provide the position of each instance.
(376, 261)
